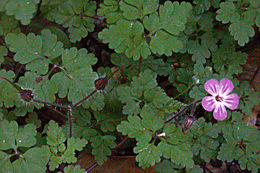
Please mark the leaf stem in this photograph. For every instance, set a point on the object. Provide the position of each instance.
(187, 89)
(183, 109)
(18, 72)
(140, 66)
(52, 104)
(81, 101)
(70, 122)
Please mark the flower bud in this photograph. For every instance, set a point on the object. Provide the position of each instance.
(26, 95)
(101, 83)
(38, 79)
(188, 122)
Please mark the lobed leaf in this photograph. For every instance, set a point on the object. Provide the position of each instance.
(102, 146)
(35, 51)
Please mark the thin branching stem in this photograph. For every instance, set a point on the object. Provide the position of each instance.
(70, 122)
(183, 109)
(81, 101)
(140, 65)
(52, 104)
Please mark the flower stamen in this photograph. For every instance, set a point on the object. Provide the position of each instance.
(218, 98)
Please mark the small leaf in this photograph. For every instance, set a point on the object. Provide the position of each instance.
(102, 146)
(55, 136)
(8, 93)
(137, 9)
(126, 37)
(35, 51)
(34, 159)
(74, 169)
(111, 10)
(22, 9)
(148, 154)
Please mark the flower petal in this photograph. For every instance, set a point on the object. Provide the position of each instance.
(208, 103)
(220, 112)
(212, 87)
(231, 101)
(225, 87)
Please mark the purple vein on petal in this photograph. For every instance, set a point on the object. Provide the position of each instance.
(226, 86)
(220, 112)
(231, 101)
(208, 103)
(212, 87)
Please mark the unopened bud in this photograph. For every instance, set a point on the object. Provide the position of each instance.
(26, 95)
(188, 122)
(38, 79)
(101, 83)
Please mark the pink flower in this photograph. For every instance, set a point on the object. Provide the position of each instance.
(220, 98)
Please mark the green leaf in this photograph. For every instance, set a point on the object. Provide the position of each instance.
(203, 139)
(102, 146)
(108, 120)
(206, 21)
(241, 143)
(148, 154)
(33, 119)
(242, 21)
(198, 92)
(227, 12)
(201, 49)
(226, 54)
(72, 145)
(13, 137)
(35, 160)
(247, 98)
(164, 43)
(26, 136)
(151, 119)
(131, 95)
(179, 154)
(3, 52)
(111, 10)
(241, 30)
(55, 136)
(134, 128)
(44, 90)
(204, 5)
(5, 163)
(8, 93)
(56, 139)
(74, 169)
(176, 146)
(35, 51)
(77, 16)
(137, 9)
(166, 166)
(22, 10)
(9, 131)
(8, 24)
(126, 37)
(165, 26)
(61, 35)
(77, 79)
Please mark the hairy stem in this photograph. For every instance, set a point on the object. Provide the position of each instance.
(52, 104)
(183, 109)
(70, 122)
(81, 101)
